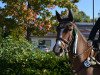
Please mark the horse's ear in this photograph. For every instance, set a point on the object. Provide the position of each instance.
(58, 16)
(70, 15)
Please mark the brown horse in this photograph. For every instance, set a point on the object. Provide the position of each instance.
(72, 42)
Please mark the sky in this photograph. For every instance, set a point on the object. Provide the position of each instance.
(86, 6)
(1, 4)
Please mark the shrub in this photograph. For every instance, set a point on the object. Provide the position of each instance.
(19, 57)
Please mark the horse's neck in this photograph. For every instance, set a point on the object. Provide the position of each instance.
(82, 46)
(82, 51)
(81, 40)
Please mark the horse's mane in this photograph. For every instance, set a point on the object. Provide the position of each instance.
(80, 33)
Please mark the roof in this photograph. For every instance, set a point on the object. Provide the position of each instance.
(83, 23)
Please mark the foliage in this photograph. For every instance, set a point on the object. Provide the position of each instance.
(32, 14)
(19, 57)
(0, 34)
(80, 16)
(12, 49)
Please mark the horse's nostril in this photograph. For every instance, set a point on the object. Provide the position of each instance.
(57, 50)
(61, 50)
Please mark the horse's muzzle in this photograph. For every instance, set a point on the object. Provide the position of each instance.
(57, 50)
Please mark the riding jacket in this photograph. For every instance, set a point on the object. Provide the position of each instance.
(94, 30)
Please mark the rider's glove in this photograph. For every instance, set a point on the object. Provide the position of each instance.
(90, 42)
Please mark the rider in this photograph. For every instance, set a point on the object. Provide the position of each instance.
(93, 41)
(95, 29)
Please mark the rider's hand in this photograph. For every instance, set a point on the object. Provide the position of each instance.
(90, 42)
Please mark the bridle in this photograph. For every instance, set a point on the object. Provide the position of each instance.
(66, 42)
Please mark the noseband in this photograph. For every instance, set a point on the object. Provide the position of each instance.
(65, 41)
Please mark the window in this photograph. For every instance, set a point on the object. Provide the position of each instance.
(45, 42)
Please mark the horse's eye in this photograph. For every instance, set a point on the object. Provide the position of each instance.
(65, 30)
(70, 29)
(70, 25)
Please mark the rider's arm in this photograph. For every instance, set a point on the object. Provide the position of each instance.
(94, 30)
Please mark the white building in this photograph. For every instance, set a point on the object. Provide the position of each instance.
(48, 40)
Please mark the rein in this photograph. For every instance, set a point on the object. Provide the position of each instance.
(76, 55)
(82, 52)
(81, 66)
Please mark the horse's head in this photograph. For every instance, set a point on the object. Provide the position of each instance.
(64, 33)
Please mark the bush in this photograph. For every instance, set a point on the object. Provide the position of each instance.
(19, 57)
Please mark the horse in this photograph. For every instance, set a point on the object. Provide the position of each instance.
(71, 41)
